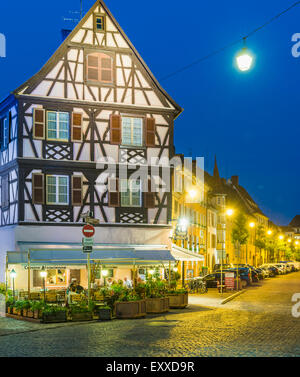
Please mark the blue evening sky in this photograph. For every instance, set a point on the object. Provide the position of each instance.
(251, 121)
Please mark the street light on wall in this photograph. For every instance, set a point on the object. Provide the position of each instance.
(244, 59)
(13, 275)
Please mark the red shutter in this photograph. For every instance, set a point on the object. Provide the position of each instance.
(38, 190)
(77, 190)
(115, 129)
(76, 127)
(39, 124)
(150, 132)
(113, 192)
(149, 197)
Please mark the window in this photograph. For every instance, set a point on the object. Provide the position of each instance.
(99, 23)
(4, 133)
(56, 277)
(5, 192)
(57, 189)
(132, 131)
(57, 126)
(99, 67)
(130, 193)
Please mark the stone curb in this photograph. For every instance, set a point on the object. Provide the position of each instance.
(232, 297)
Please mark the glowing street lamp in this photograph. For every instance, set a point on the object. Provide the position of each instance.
(13, 275)
(229, 212)
(281, 237)
(269, 232)
(175, 269)
(43, 274)
(289, 240)
(151, 272)
(297, 243)
(252, 225)
(192, 193)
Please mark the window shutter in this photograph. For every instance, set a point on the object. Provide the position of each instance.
(150, 132)
(76, 127)
(39, 124)
(113, 192)
(115, 129)
(38, 190)
(77, 190)
(149, 197)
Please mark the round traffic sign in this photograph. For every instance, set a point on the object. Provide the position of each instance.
(88, 231)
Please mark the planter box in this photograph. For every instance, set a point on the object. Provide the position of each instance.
(29, 314)
(17, 311)
(38, 314)
(104, 314)
(130, 309)
(179, 301)
(157, 305)
(9, 310)
(24, 312)
(78, 317)
(54, 317)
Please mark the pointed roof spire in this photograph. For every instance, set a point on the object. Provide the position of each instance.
(216, 170)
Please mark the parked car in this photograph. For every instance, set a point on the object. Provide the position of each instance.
(262, 274)
(273, 271)
(213, 279)
(217, 267)
(244, 274)
(254, 274)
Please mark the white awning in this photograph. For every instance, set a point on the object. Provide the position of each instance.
(181, 254)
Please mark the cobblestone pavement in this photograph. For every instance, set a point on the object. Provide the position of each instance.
(257, 323)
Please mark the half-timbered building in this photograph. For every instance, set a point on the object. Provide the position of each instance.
(94, 105)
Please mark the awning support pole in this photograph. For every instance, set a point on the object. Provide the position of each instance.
(169, 274)
(89, 278)
(6, 276)
(28, 274)
(134, 282)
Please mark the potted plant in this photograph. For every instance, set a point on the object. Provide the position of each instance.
(54, 313)
(9, 305)
(18, 307)
(104, 313)
(25, 308)
(80, 313)
(130, 305)
(37, 308)
(178, 298)
(156, 302)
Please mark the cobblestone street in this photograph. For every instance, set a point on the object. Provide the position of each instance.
(257, 323)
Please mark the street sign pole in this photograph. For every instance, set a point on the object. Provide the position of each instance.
(89, 279)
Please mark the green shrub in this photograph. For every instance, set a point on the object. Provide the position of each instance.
(52, 309)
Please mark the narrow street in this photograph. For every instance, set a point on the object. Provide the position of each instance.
(257, 323)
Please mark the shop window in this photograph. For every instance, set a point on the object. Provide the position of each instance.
(56, 277)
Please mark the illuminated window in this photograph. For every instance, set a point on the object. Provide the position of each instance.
(57, 189)
(57, 126)
(132, 131)
(99, 67)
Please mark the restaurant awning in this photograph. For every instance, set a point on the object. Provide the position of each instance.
(75, 256)
(184, 255)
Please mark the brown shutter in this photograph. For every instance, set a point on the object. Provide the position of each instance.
(39, 124)
(76, 127)
(115, 129)
(77, 190)
(38, 189)
(150, 132)
(149, 197)
(113, 192)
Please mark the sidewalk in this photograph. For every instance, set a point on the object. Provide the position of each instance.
(211, 299)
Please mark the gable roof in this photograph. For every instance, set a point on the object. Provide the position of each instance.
(295, 222)
(30, 83)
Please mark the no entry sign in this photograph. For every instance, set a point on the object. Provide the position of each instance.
(88, 231)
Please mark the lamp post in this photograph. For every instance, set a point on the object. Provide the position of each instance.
(13, 275)
(252, 226)
(43, 274)
(104, 274)
(229, 213)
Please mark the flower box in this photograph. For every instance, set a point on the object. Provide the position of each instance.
(84, 316)
(9, 309)
(178, 300)
(38, 314)
(130, 309)
(104, 314)
(157, 305)
(29, 313)
(55, 317)
(17, 311)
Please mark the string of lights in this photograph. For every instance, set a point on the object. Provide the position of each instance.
(246, 59)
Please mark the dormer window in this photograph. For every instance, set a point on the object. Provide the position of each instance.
(99, 25)
(99, 68)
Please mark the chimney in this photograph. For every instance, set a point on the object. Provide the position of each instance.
(235, 180)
